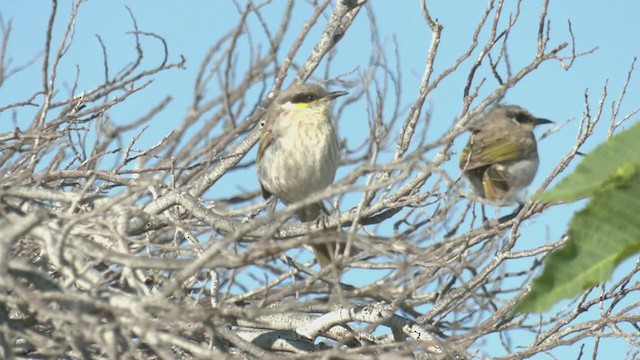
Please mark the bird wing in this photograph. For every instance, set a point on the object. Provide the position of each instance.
(495, 182)
(492, 150)
(265, 140)
(265, 193)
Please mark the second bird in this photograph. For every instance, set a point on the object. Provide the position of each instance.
(501, 157)
(298, 153)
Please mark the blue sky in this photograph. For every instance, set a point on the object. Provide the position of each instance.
(191, 27)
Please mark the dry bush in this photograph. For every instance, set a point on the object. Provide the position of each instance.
(117, 251)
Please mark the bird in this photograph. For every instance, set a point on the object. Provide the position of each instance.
(501, 156)
(298, 152)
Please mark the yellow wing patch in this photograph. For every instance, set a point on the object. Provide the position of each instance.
(479, 154)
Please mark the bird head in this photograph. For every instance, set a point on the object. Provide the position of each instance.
(307, 96)
(520, 116)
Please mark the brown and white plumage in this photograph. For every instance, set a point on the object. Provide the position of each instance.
(298, 151)
(501, 157)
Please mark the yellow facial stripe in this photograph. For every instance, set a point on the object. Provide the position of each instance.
(302, 105)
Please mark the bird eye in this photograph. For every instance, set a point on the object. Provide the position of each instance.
(302, 98)
(522, 118)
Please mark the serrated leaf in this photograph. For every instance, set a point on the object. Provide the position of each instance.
(601, 236)
(608, 164)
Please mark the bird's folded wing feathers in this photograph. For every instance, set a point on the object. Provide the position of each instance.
(265, 140)
(491, 151)
(495, 182)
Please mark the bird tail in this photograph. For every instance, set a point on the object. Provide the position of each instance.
(324, 252)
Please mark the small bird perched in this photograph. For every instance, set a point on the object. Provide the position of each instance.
(298, 151)
(501, 157)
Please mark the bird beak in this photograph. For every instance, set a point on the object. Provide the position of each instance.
(335, 94)
(539, 121)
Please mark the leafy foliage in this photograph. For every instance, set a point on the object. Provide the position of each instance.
(601, 235)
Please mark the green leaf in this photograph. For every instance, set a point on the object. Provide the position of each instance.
(601, 236)
(607, 165)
